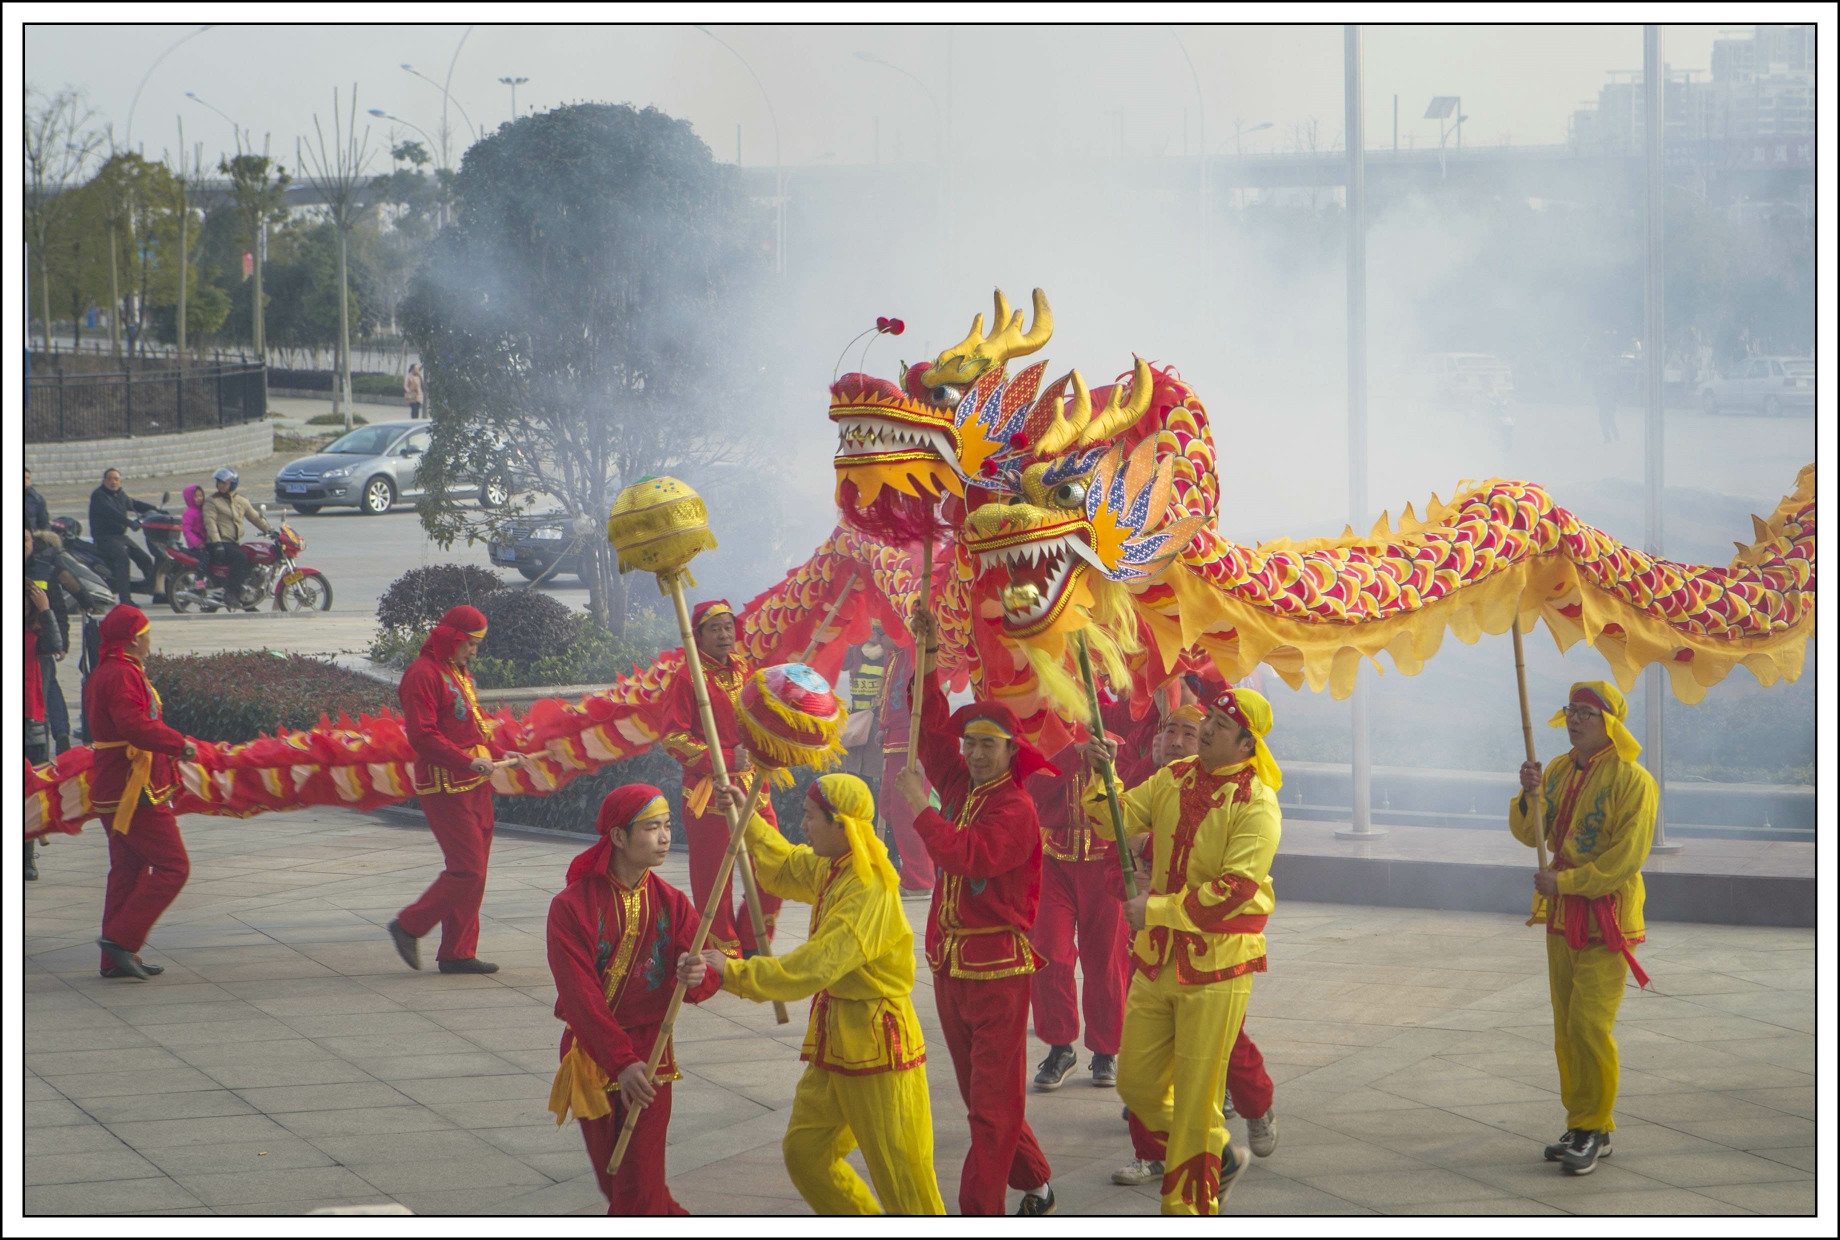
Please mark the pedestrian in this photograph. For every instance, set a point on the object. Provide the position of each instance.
(41, 641)
(725, 669)
(1214, 823)
(1249, 1086)
(38, 517)
(1591, 900)
(619, 939)
(864, 1084)
(191, 525)
(985, 841)
(132, 784)
(112, 514)
(222, 515)
(452, 779)
(412, 389)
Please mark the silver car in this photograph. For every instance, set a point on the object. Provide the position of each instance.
(1772, 386)
(372, 468)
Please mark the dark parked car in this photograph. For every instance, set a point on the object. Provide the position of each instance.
(371, 469)
(532, 544)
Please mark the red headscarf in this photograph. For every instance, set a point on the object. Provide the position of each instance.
(459, 624)
(1001, 718)
(122, 625)
(620, 808)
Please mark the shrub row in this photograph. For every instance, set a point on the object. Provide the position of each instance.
(239, 695)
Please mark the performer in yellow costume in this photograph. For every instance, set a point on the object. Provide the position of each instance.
(865, 1083)
(1599, 823)
(1213, 822)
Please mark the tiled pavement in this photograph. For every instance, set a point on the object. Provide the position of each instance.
(287, 1060)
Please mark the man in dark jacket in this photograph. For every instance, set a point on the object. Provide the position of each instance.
(38, 517)
(111, 510)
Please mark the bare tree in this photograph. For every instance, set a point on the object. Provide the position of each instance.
(338, 174)
(59, 142)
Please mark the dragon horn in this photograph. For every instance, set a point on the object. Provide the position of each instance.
(1064, 430)
(1118, 416)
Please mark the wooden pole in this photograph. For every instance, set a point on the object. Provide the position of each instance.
(921, 671)
(811, 647)
(735, 836)
(1539, 792)
(1097, 727)
(693, 659)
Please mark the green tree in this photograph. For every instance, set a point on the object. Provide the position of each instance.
(576, 311)
(258, 187)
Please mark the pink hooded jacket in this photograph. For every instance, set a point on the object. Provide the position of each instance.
(191, 526)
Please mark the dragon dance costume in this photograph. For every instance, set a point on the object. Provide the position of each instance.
(1213, 835)
(449, 732)
(986, 844)
(706, 829)
(1599, 825)
(917, 874)
(132, 784)
(613, 952)
(865, 1080)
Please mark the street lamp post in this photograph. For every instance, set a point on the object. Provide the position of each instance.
(513, 83)
(1361, 825)
(1240, 130)
(779, 172)
(942, 202)
(447, 98)
(127, 140)
(1442, 108)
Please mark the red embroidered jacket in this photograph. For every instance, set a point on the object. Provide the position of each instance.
(446, 728)
(121, 705)
(613, 952)
(987, 845)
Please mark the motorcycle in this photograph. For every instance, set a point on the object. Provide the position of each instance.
(160, 530)
(272, 569)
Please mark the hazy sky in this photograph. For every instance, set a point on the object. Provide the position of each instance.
(1032, 90)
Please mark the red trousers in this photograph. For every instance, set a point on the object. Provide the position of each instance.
(1081, 899)
(986, 1027)
(916, 862)
(639, 1187)
(1247, 1083)
(462, 824)
(147, 869)
(707, 834)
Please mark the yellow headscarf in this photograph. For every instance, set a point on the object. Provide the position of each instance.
(848, 800)
(1251, 711)
(1609, 699)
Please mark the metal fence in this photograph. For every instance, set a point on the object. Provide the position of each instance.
(141, 401)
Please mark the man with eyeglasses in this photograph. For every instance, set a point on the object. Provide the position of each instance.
(1598, 822)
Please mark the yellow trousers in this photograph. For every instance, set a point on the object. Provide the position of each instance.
(889, 1115)
(1172, 1073)
(1587, 989)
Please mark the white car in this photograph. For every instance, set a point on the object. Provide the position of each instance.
(1771, 386)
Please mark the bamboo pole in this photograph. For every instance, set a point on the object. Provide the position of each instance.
(693, 659)
(811, 648)
(921, 671)
(1097, 727)
(1539, 791)
(735, 836)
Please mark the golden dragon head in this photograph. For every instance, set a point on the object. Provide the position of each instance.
(922, 440)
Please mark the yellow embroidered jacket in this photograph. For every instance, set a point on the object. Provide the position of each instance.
(1213, 835)
(1600, 822)
(857, 964)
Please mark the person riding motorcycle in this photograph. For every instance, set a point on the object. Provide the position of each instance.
(224, 514)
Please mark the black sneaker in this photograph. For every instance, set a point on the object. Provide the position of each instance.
(406, 946)
(471, 964)
(1105, 1071)
(1581, 1157)
(1039, 1207)
(125, 960)
(1232, 1166)
(1056, 1068)
(152, 970)
(1556, 1150)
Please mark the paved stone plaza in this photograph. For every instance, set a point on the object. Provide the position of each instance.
(287, 1060)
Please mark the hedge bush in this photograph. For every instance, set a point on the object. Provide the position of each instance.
(527, 626)
(421, 596)
(336, 419)
(239, 695)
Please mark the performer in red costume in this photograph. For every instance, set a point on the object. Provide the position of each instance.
(618, 934)
(132, 781)
(705, 827)
(453, 782)
(986, 842)
(1082, 903)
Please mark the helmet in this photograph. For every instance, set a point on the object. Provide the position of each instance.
(226, 474)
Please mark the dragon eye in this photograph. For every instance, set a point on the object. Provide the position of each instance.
(946, 395)
(1070, 495)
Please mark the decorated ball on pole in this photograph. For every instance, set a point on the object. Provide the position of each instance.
(790, 717)
(658, 525)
